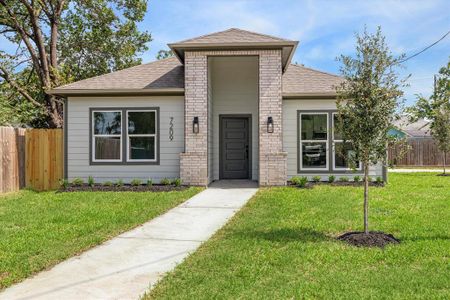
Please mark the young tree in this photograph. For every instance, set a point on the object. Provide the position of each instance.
(59, 41)
(437, 110)
(367, 101)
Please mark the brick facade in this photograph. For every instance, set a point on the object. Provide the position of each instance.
(272, 159)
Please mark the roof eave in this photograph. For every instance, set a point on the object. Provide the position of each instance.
(179, 48)
(116, 92)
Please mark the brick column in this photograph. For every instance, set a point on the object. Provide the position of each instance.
(272, 159)
(194, 161)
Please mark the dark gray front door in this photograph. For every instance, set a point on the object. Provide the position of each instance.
(234, 147)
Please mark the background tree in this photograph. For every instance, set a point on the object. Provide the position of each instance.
(162, 54)
(60, 41)
(437, 110)
(367, 102)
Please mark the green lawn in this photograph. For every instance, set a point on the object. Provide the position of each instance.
(282, 246)
(38, 230)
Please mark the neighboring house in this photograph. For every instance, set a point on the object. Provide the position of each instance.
(230, 105)
(411, 130)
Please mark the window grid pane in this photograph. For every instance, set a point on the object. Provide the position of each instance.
(141, 132)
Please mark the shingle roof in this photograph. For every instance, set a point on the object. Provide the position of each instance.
(420, 128)
(302, 80)
(161, 74)
(232, 35)
(169, 74)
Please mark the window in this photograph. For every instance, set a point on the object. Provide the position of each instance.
(341, 150)
(314, 141)
(141, 129)
(107, 137)
(132, 131)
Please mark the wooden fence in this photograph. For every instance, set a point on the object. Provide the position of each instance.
(44, 158)
(421, 153)
(30, 158)
(12, 159)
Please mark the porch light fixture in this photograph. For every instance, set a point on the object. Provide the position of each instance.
(195, 128)
(269, 125)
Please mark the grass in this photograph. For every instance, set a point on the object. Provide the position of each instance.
(38, 230)
(282, 246)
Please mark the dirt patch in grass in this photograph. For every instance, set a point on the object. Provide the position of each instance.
(372, 239)
(124, 188)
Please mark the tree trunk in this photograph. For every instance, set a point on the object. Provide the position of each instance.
(445, 160)
(366, 198)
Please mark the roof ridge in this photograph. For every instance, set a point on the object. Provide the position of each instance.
(315, 70)
(232, 29)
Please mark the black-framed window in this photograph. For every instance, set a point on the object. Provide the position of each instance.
(124, 136)
(321, 147)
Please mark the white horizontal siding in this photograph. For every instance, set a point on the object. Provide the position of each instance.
(78, 138)
(290, 134)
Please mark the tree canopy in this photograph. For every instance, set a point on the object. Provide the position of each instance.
(61, 41)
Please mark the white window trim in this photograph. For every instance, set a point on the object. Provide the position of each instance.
(106, 135)
(314, 141)
(142, 135)
(334, 141)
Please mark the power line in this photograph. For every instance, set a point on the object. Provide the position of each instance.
(426, 48)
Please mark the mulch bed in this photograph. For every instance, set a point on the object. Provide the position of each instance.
(372, 239)
(442, 174)
(339, 183)
(124, 188)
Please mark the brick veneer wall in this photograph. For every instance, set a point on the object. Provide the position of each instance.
(272, 159)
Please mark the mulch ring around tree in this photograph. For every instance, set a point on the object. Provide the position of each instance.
(124, 188)
(444, 174)
(372, 239)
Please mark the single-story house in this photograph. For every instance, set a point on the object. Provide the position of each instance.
(228, 105)
(403, 128)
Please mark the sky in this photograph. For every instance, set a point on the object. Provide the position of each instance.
(324, 29)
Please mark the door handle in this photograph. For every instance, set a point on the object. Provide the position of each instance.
(246, 151)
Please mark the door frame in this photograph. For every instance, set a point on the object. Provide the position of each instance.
(250, 140)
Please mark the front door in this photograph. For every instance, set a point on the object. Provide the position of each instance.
(234, 147)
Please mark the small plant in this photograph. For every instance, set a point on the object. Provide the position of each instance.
(77, 182)
(331, 178)
(64, 183)
(108, 183)
(369, 179)
(165, 181)
(119, 183)
(176, 181)
(91, 181)
(136, 182)
(343, 179)
(299, 181)
(356, 178)
(149, 182)
(379, 180)
(316, 178)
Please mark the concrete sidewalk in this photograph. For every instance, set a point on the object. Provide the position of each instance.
(406, 170)
(126, 266)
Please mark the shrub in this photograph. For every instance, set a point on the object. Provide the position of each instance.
(343, 179)
(64, 183)
(78, 182)
(149, 182)
(331, 178)
(316, 178)
(165, 181)
(136, 182)
(91, 181)
(108, 183)
(176, 181)
(379, 179)
(369, 179)
(299, 181)
(356, 178)
(119, 183)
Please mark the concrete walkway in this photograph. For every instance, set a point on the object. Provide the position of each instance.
(405, 170)
(126, 266)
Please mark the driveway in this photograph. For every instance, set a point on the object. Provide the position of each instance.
(131, 263)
